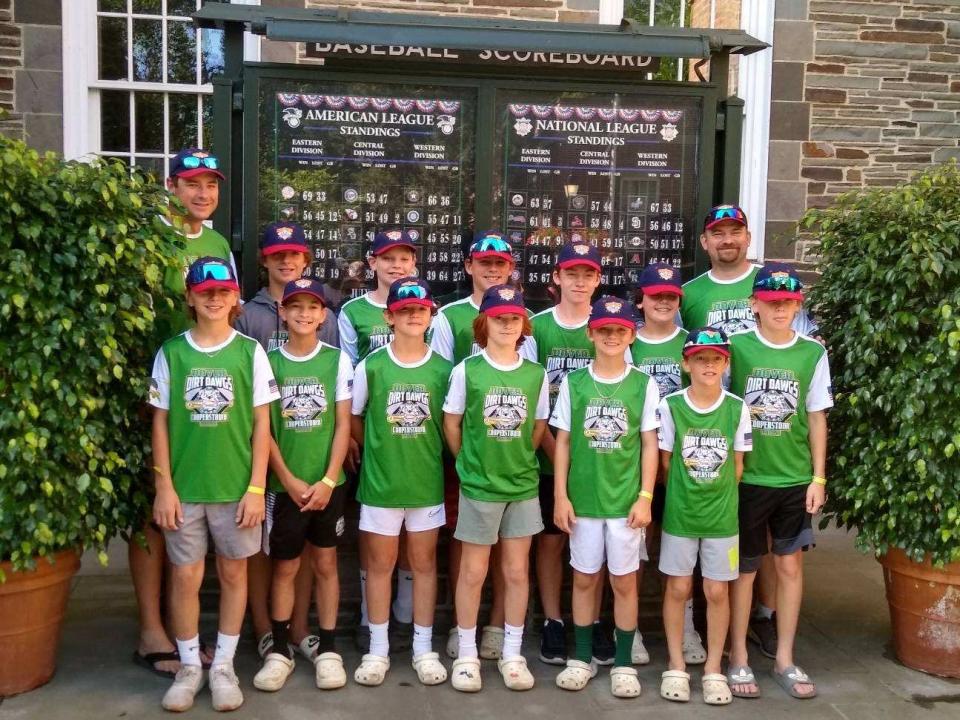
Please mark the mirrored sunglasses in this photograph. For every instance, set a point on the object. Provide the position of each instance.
(191, 162)
(209, 271)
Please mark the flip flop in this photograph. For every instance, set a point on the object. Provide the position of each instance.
(742, 675)
(790, 678)
(150, 660)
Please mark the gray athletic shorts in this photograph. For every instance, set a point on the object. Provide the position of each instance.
(719, 557)
(483, 523)
(188, 544)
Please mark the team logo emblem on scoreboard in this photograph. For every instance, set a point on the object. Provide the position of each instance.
(413, 216)
(669, 132)
(292, 116)
(523, 126)
(350, 194)
(446, 123)
(287, 192)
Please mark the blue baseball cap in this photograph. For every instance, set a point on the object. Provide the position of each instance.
(706, 338)
(210, 272)
(579, 253)
(194, 161)
(660, 278)
(409, 291)
(389, 239)
(491, 244)
(303, 286)
(777, 281)
(502, 299)
(610, 310)
(283, 237)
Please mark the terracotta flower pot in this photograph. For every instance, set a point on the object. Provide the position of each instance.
(924, 612)
(32, 605)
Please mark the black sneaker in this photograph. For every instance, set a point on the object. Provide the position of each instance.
(762, 631)
(553, 643)
(604, 651)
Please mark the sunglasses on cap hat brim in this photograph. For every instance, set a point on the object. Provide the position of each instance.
(210, 275)
(491, 247)
(725, 214)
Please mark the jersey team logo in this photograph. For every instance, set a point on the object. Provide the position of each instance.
(303, 401)
(562, 362)
(665, 372)
(408, 409)
(604, 425)
(773, 396)
(380, 336)
(504, 411)
(208, 394)
(731, 316)
(704, 452)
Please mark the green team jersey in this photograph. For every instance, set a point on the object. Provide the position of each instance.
(605, 419)
(304, 420)
(560, 349)
(210, 395)
(363, 328)
(723, 304)
(499, 405)
(702, 496)
(453, 330)
(780, 385)
(402, 405)
(660, 359)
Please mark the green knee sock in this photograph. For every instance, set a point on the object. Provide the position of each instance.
(583, 642)
(624, 647)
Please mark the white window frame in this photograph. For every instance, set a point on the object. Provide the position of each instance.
(82, 86)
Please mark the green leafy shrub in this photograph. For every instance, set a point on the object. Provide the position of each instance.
(889, 305)
(83, 254)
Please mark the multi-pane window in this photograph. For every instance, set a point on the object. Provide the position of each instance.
(153, 79)
(663, 13)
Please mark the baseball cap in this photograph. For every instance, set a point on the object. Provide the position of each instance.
(389, 239)
(303, 286)
(409, 291)
(660, 278)
(706, 338)
(502, 299)
(194, 161)
(724, 213)
(777, 281)
(211, 272)
(610, 310)
(491, 244)
(283, 237)
(579, 253)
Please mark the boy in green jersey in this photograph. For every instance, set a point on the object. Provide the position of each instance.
(560, 343)
(397, 418)
(658, 351)
(495, 415)
(309, 442)
(784, 378)
(606, 465)
(704, 432)
(363, 329)
(211, 388)
(489, 262)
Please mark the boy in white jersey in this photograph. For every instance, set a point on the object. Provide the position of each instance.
(606, 421)
(211, 388)
(397, 418)
(784, 378)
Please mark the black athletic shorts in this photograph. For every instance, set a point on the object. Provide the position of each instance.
(780, 510)
(286, 530)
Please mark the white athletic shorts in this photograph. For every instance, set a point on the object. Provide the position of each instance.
(596, 539)
(719, 557)
(388, 521)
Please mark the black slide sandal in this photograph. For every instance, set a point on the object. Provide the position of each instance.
(150, 660)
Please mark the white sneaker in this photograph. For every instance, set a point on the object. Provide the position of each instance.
(225, 688)
(274, 673)
(187, 683)
(638, 653)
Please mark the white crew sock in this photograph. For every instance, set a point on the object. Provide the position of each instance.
(364, 620)
(467, 642)
(512, 639)
(688, 628)
(379, 639)
(422, 639)
(403, 603)
(189, 651)
(226, 649)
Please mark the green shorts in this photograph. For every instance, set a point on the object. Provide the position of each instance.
(483, 523)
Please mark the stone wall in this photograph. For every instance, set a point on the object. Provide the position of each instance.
(864, 94)
(31, 72)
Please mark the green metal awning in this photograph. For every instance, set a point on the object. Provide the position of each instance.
(342, 25)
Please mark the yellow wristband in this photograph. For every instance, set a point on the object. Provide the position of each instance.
(647, 495)
(819, 480)
(253, 489)
(328, 482)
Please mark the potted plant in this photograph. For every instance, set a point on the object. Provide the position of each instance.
(888, 302)
(83, 256)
